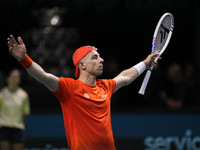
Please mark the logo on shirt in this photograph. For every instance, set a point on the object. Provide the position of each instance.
(87, 95)
(103, 96)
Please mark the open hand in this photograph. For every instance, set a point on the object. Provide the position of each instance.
(17, 50)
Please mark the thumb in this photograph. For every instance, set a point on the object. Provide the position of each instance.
(20, 40)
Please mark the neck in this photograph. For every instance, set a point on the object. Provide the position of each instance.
(13, 88)
(89, 80)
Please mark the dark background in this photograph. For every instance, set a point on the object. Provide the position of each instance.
(122, 31)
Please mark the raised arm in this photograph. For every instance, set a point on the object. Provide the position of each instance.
(129, 75)
(18, 50)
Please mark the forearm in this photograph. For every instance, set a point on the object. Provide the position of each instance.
(132, 73)
(34, 69)
(49, 80)
(129, 75)
(19, 52)
(37, 72)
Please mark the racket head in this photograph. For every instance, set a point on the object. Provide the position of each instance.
(162, 33)
(161, 38)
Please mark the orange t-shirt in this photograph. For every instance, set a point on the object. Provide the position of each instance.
(86, 113)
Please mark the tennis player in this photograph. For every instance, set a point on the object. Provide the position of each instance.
(85, 101)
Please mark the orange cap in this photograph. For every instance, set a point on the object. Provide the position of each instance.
(79, 54)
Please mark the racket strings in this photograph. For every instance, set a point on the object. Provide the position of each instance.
(163, 32)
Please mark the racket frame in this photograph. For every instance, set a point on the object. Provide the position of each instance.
(153, 50)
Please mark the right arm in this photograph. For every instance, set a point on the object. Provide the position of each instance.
(36, 71)
(49, 80)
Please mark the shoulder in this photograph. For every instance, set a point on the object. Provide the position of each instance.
(67, 82)
(3, 90)
(22, 92)
(106, 82)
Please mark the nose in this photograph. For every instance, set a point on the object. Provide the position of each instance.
(101, 60)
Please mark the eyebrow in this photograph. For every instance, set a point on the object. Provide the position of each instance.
(97, 55)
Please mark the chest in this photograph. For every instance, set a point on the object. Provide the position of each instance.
(94, 99)
(12, 99)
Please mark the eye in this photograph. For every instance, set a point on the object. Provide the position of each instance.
(95, 57)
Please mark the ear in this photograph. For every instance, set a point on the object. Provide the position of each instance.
(82, 65)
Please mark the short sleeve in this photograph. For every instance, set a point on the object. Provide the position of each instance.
(65, 88)
(110, 83)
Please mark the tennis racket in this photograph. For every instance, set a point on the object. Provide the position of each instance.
(161, 38)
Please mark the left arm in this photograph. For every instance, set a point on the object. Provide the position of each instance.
(129, 75)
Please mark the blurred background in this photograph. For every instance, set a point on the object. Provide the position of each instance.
(122, 31)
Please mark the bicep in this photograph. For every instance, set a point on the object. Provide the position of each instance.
(119, 82)
(52, 83)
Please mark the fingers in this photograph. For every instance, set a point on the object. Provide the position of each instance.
(12, 40)
(155, 54)
(151, 60)
(9, 44)
(20, 40)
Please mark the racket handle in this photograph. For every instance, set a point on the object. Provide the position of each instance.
(145, 82)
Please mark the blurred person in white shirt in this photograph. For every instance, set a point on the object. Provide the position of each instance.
(14, 106)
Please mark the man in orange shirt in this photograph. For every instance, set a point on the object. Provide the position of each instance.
(85, 102)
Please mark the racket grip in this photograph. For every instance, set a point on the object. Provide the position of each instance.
(145, 82)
